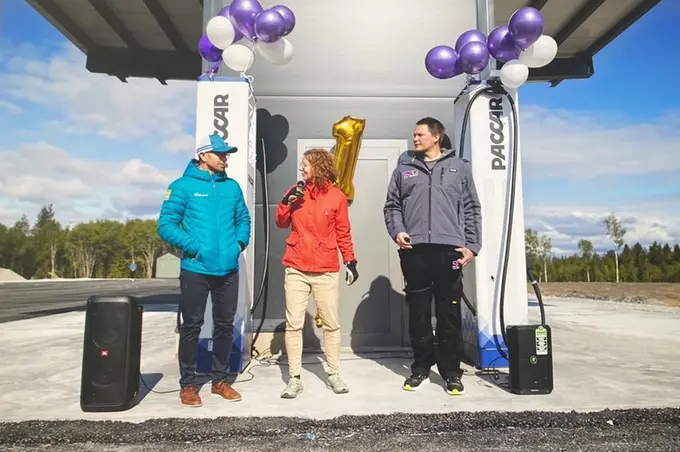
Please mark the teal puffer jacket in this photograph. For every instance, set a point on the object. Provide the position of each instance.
(206, 217)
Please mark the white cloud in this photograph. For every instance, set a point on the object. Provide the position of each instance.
(181, 144)
(10, 107)
(572, 144)
(81, 189)
(646, 221)
(97, 102)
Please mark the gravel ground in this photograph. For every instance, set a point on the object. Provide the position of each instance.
(609, 430)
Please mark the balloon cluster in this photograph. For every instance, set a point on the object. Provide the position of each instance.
(520, 45)
(242, 27)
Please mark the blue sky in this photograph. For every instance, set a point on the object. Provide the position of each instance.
(590, 147)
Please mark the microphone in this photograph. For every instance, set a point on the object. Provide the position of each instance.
(301, 184)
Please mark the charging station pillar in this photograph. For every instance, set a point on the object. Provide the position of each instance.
(488, 146)
(226, 106)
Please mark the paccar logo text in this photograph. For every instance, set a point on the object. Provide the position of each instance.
(496, 134)
(220, 111)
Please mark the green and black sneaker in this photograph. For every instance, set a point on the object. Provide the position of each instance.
(414, 382)
(454, 386)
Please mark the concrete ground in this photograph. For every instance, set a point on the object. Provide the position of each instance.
(606, 355)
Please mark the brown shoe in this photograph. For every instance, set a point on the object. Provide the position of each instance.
(189, 396)
(225, 391)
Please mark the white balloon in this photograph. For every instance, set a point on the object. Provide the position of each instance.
(540, 53)
(238, 57)
(220, 31)
(279, 52)
(514, 73)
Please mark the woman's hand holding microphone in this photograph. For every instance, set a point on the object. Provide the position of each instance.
(294, 194)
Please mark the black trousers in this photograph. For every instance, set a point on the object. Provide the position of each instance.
(428, 271)
(195, 288)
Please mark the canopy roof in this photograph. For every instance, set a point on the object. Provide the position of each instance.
(157, 38)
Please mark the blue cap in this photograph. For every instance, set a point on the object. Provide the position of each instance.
(213, 143)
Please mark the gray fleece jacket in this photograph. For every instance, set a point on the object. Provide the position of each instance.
(434, 206)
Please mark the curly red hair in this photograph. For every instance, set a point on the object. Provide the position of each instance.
(323, 166)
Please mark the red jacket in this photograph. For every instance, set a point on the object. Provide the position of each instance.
(320, 225)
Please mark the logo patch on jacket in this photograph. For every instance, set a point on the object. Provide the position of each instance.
(167, 195)
(411, 173)
(201, 195)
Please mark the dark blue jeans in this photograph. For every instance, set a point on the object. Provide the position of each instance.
(195, 288)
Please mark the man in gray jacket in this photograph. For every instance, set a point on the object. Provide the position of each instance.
(433, 213)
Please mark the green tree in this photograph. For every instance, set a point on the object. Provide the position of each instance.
(616, 233)
(48, 240)
(586, 249)
(545, 247)
(20, 253)
(142, 240)
(532, 250)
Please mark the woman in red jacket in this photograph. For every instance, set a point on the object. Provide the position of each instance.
(317, 212)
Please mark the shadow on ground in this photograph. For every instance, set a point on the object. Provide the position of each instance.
(495, 378)
(370, 308)
(312, 359)
(147, 382)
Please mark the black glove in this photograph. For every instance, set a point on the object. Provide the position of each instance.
(241, 245)
(296, 193)
(351, 273)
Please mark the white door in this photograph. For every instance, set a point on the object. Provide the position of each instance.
(372, 314)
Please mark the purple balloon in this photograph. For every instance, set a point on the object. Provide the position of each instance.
(225, 12)
(473, 57)
(242, 14)
(208, 51)
(526, 26)
(501, 45)
(470, 36)
(440, 62)
(269, 26)
(288, 17)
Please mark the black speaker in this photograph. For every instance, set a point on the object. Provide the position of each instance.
(530, 353)
(111, 354)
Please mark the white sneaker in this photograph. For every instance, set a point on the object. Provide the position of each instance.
(336, 384)
(293, 388)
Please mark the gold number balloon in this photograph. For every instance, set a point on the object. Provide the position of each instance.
(347, 133)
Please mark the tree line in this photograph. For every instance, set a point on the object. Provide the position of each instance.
(97, 249)
(655, 263)
(106, 248)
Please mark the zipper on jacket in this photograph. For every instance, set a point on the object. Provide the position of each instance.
(429, 187)
(429, 209)
(217, 218)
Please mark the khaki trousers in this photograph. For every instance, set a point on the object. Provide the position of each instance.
(325, 288)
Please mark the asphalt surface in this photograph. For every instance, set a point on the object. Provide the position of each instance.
(25, 300)
(609, 430)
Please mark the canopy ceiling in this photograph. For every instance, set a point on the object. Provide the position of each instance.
(157, 38)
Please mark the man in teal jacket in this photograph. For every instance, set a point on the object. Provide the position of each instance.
(205, 216)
